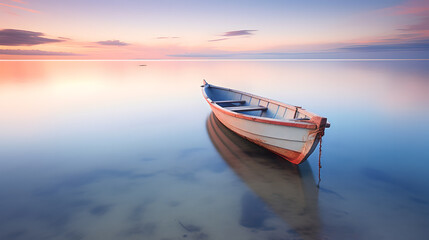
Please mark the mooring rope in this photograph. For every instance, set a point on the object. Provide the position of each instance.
(321, 133)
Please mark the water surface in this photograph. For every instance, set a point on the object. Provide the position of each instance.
(114, 150)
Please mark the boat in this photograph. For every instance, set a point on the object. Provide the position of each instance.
(289, 131)
(287, 189)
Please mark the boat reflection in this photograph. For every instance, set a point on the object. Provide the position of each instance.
(289, 190)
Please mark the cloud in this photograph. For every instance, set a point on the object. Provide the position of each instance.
(18, 7)
(412, 51)
(409, 46)
(203, 55)
(228, 35)
(411, 7)
(421, 26)
(219, 39)
(404, 36)
(113, 43)
(418, 10)
(259, 55)
(167, 37)
(34, 52)
(238, 33)
(15, 37)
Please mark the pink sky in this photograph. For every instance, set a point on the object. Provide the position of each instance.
(48, 29)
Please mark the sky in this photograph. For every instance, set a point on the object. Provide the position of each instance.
(190, 29)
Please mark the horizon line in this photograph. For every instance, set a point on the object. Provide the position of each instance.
(215, 60)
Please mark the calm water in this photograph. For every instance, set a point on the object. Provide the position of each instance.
(114, 150)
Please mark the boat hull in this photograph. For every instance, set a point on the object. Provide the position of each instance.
(292, 143)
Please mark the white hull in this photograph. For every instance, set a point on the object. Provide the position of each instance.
(283, 140)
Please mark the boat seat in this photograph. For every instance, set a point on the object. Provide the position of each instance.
(247, 108)
(230, 101)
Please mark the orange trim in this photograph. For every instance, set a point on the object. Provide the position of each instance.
(262, 120)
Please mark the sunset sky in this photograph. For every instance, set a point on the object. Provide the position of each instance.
(165, 29)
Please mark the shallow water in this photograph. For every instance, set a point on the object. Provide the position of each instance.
(114, 150)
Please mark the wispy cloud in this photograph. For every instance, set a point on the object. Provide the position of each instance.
(416, 9)
(18, 7)
(410, 46)
(420, 26)
(413, 7)
(238, 33)
(15, 37)
(259, 55)
(112, 43)
(167, 37)
(403, 36)
(17, 1)
(339, 54)
(218, 39)
(231, 34)
(34, 52)
(205, 55)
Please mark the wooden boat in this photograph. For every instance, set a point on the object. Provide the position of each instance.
(289, 131)
(288, 190)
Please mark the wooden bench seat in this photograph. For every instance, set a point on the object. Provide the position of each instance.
(230, 101)
(247, 108)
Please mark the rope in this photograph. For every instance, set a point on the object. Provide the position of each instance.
(320, 135)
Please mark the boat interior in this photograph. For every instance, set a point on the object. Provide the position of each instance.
(249, 104)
